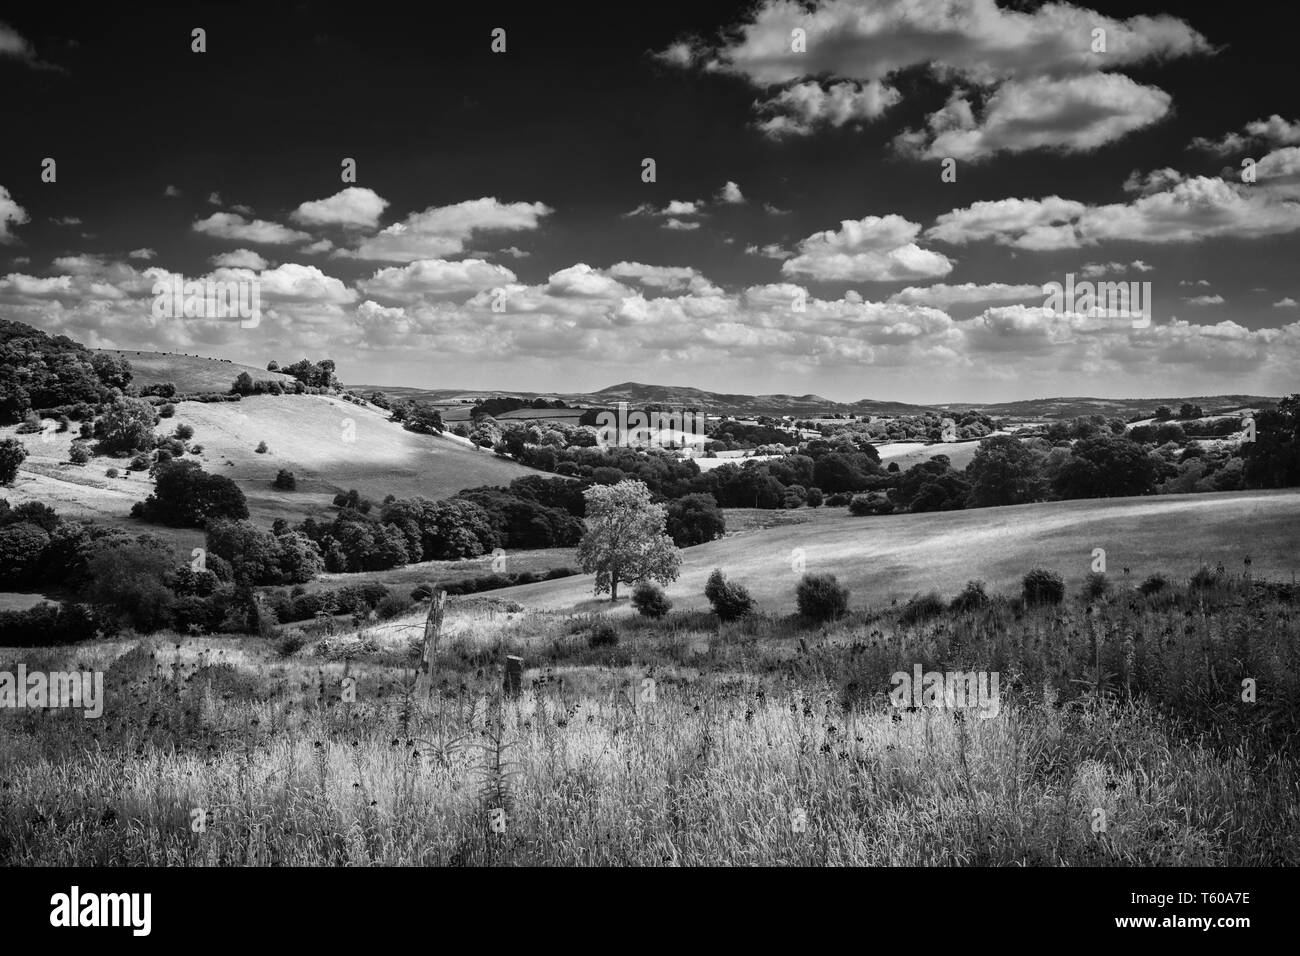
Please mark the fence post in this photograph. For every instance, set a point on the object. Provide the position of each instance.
(432, 633)
(514, 676)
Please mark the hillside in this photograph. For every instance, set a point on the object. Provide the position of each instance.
(896, 556)
(306, 434)
(189, 373)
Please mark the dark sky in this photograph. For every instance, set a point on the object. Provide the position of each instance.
(563, 119)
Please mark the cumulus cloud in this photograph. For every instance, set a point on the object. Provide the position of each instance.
(730, 193)
(239, 259)
(142, 253)
(229, 225)
(354, 207)
(1190, 210)
(1274, 131)
(944, 296)
(801, 109)
(436, 278)
(1095, 270)
(872, 249)
(1206, 300)
(171, 192)
(442, 231)
(1286, 303)
(1054, 85)
(11, 214)
(1070, 115)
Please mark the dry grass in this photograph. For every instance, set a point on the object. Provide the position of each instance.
(750, 723)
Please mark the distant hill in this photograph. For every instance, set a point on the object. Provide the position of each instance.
(811, 406)
(189, 373)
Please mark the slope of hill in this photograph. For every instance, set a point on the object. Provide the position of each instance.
(330, 446)
(896, 556)
(189, 373)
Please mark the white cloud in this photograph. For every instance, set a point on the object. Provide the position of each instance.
(171, 192)
(436, 278)
(944, 296)
(1274, 131)
(239, 259)
(1094, 270)
(800, 109)
(143, 253)
(730, 193)
(1190, 210)
(11, 214)
(874, 249)
(214, 198)
(227, 225)
(354, 207)
(1206, 300)
(441, 231)
(1286, 303)
(681, 225)
(1070, 115)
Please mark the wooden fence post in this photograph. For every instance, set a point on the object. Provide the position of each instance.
(432, 633)
(514, 683)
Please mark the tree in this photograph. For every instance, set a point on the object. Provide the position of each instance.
(730, 601)
(650, 600)
(1004, 471)
(12, 454)
(127, 426)
(625, 539)
(185, 496)
(695, 519)
(1105, 467)
(243, 384)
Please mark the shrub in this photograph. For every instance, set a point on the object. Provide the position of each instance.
(649, 599)
(184, 432)
(822, 598)
(391, 606)
(1204, 577)
(972, 597)
(1095, 585)
(602, 635)
(290, 643)
(1154, 584)
(422, 592)
(79, 454)
(285, 480)
(921, 607)
(1041, 586)
(167, 411)
(139, 463)
(815, 497)
(872, 503)
(261, 448)
(111, 473)
(730, 601)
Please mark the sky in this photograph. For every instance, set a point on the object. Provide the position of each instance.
(853, 198)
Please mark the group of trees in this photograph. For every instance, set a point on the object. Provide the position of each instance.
(38, 371)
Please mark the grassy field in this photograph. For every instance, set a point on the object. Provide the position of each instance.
(895, 556)
(189, 373)
(1121, 739)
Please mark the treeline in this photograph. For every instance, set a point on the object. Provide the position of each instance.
(38, 371)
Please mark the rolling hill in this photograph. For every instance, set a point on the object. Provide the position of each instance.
(189, 373)
(895, 556)
(330, 445)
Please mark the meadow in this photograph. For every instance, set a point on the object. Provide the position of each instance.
(1122, 738)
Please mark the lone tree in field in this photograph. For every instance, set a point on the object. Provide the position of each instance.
(626, 539)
